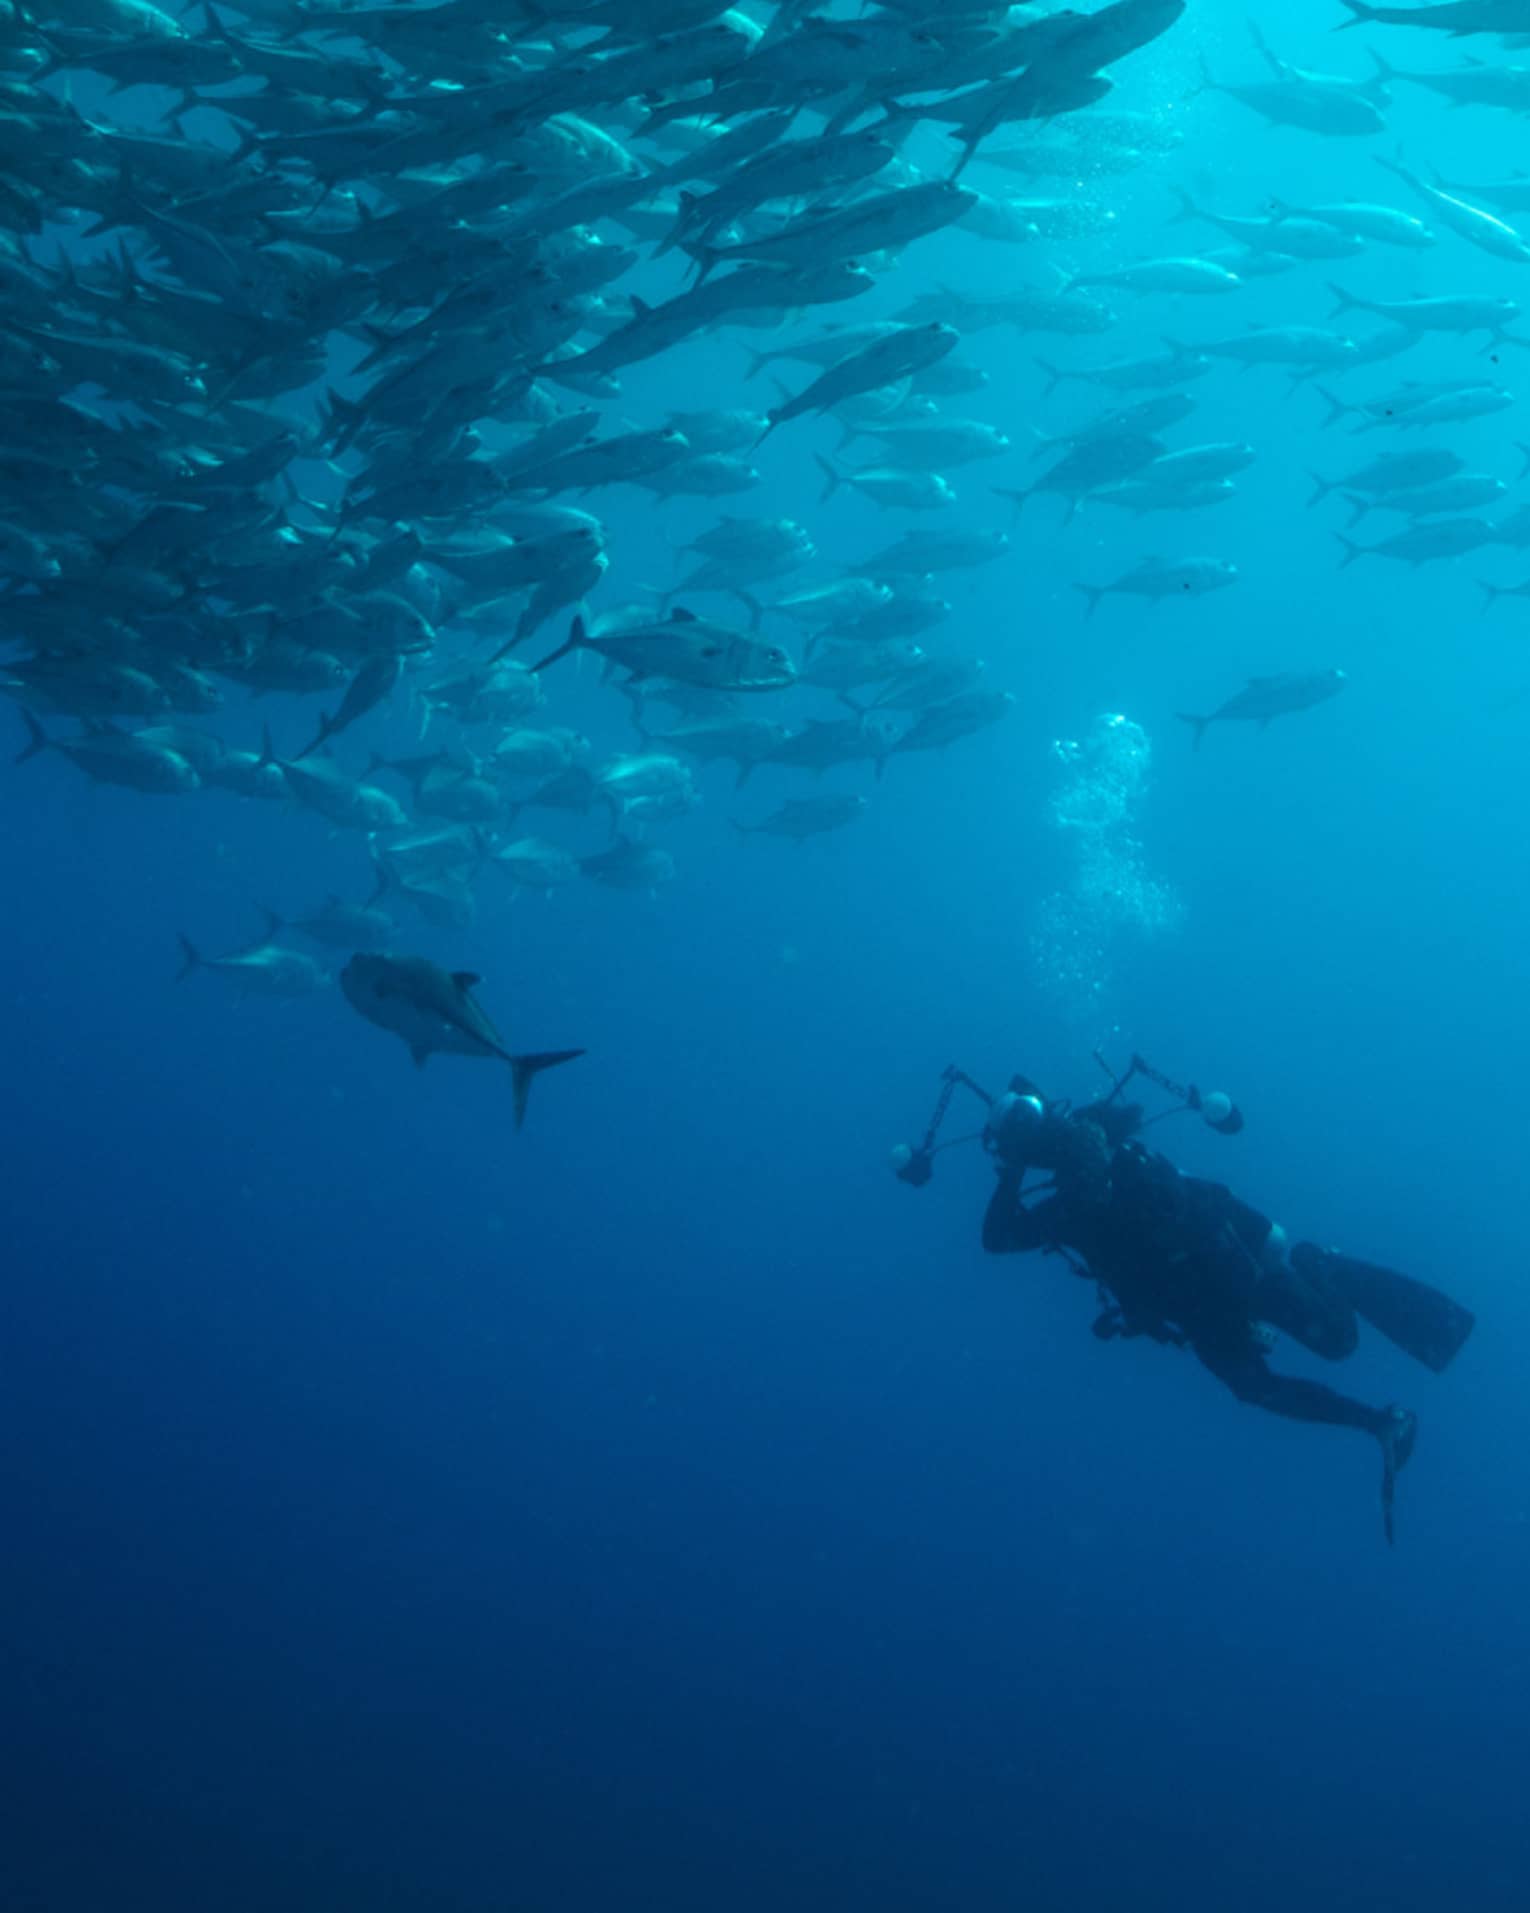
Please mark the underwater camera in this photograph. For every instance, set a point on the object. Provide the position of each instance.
(1215, 1107)
(914, 1163)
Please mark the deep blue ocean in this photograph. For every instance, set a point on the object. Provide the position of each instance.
(664, 1507)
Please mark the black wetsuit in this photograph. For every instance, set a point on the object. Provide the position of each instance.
(1185, 1261)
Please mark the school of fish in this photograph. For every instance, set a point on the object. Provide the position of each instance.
(316, 325)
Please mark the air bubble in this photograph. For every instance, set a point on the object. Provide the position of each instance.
(1111, 900)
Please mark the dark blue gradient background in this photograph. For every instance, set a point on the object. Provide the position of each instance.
(663, 1508)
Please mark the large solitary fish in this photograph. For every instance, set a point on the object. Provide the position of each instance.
(433, 1010)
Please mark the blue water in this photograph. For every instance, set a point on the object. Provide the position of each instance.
(663, 1507)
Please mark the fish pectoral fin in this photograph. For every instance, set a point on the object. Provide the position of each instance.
(421, 1054)
(465, 979)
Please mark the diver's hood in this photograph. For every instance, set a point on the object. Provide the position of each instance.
(1015, 1122)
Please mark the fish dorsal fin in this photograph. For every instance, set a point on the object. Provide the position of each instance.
(465, 979)
(640, 307)
(681, 616)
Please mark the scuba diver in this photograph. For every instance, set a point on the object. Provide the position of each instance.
(1186, 1262)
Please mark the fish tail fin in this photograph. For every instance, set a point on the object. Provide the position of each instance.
(37, 738)
(1345, 301)
(217, 28)
(525, 624)
(1055, 375)
(1208, 80)
(1360, 12)
(1016, 498)
(249, 141)
(1321, 488)
(1262, 46)
(1384, 67)
(340, 419)
(1358, 507)
(1093, 593)
(191, 957)
(385, 877)
(320, 737)
(833, 478)
(382, 342)
(1524, 451)
(525, 1069)
(123, 206)
(1337, 408)
(1188, 210)
(275, 922)
(267, 749)
(578, 636)
(1197, 724)
(1491, 594)
(1352, 551)
(685, 219)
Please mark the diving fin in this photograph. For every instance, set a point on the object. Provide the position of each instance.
(1398, 1435)
(1418, 1319)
